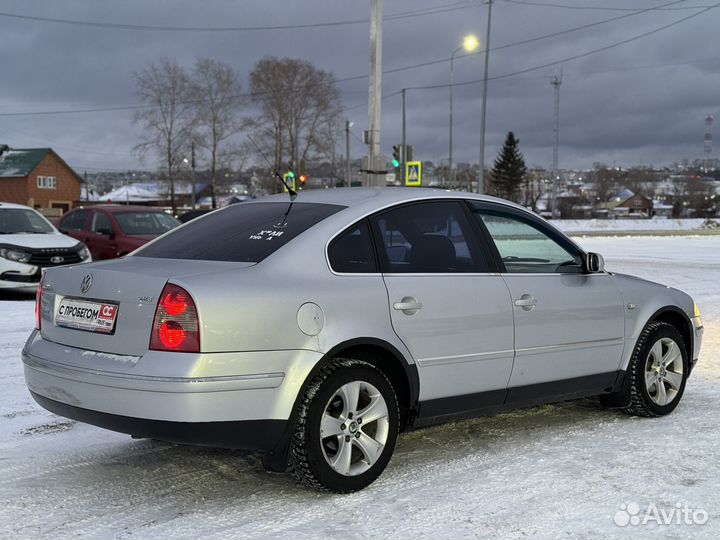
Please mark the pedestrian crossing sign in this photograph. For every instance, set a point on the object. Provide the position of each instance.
(413, 173)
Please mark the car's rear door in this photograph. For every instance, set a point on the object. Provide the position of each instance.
(451, 312)
(569, 324)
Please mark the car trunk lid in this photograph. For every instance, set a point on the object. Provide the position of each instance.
(132, 284)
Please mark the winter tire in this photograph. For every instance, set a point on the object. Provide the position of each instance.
(656, 374)
(346, 428)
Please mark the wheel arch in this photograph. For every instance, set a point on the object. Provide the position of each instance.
(677, 318)
(384, 356)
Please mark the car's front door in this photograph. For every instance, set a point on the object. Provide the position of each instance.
(102, 237)
(569, 324)
(453, 315)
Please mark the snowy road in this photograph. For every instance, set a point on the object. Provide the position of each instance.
(553, 471)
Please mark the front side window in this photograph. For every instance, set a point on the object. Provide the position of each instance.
(352, 251)
(101, 224)
(524, 248)
(153, 223)
(432, 237)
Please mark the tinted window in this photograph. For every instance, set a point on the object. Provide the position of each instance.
(433, 237)
(526, 249)
(352, 251)
(101, 223)
(74, 221)
(155, 223)
(245, 232)
(22, 220)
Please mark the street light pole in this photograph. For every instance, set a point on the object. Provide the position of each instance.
(450, 137)
(481, 175)
(470, 43)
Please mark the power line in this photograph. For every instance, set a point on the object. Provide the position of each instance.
(213, 29)
(575, 56)
(600, 8)
(358, 77)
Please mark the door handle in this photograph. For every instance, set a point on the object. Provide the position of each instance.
(408, 305)
(527, 302)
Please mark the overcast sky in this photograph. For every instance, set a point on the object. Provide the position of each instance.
(640, 102)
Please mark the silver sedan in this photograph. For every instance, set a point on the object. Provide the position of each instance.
(313, 331)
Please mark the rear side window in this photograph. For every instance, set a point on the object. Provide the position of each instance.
(428, 237)
(74, 221)
(352, 251)
(244, 232)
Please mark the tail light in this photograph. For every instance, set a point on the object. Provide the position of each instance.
(38, 303)
(175, 326)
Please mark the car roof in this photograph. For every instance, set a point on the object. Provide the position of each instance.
(13, 205)
(376, 197)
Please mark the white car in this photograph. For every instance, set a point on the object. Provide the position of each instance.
(29, 243)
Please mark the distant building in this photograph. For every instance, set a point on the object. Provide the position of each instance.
(626, 205)
(39, 178)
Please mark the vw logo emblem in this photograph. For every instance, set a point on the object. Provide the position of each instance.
(57, 259)
(86, 283)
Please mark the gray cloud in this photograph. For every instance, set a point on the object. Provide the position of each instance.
(644, 101)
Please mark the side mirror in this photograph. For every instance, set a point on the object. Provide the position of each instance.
(595, 263)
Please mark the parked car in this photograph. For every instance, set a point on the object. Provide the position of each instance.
(313, 331)
(29, 243)
(113, 230)
(192, 214)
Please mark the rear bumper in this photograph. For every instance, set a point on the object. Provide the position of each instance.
(256, 435)
(236, 400)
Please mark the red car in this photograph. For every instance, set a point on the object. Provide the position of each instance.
(114, 230)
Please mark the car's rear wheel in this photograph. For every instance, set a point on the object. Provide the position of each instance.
(657, 372)
(346, 429)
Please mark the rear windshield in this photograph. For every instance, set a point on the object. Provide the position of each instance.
(239, 233)
(145, 222)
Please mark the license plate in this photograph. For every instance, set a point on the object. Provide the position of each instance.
(86, 315)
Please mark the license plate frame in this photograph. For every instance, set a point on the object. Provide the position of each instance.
(87, 315)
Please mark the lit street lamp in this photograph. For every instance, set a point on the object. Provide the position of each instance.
(470, 43)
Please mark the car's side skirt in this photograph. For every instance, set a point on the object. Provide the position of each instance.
(440, 410)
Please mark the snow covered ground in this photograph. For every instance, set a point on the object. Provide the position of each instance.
(555, 471)
(600, 226)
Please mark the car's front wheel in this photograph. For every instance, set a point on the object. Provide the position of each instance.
(657, 372)
(346, 429)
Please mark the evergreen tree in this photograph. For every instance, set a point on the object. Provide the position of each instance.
(508, 172)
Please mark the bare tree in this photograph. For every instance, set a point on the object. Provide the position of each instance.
(296, 100)
(216, 90)
(169, 117)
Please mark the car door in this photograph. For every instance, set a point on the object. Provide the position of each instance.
(101, 238)
(453, 315)
(569, 324)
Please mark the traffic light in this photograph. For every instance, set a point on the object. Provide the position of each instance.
(396, 156)
(303, 179)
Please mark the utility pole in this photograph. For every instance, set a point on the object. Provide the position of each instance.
(348, 179)
(192, 167)
(404, 140)
(481, 175)
(556, 81)
(375, 94)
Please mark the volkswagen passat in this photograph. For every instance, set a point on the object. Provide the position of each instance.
(313, 331)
